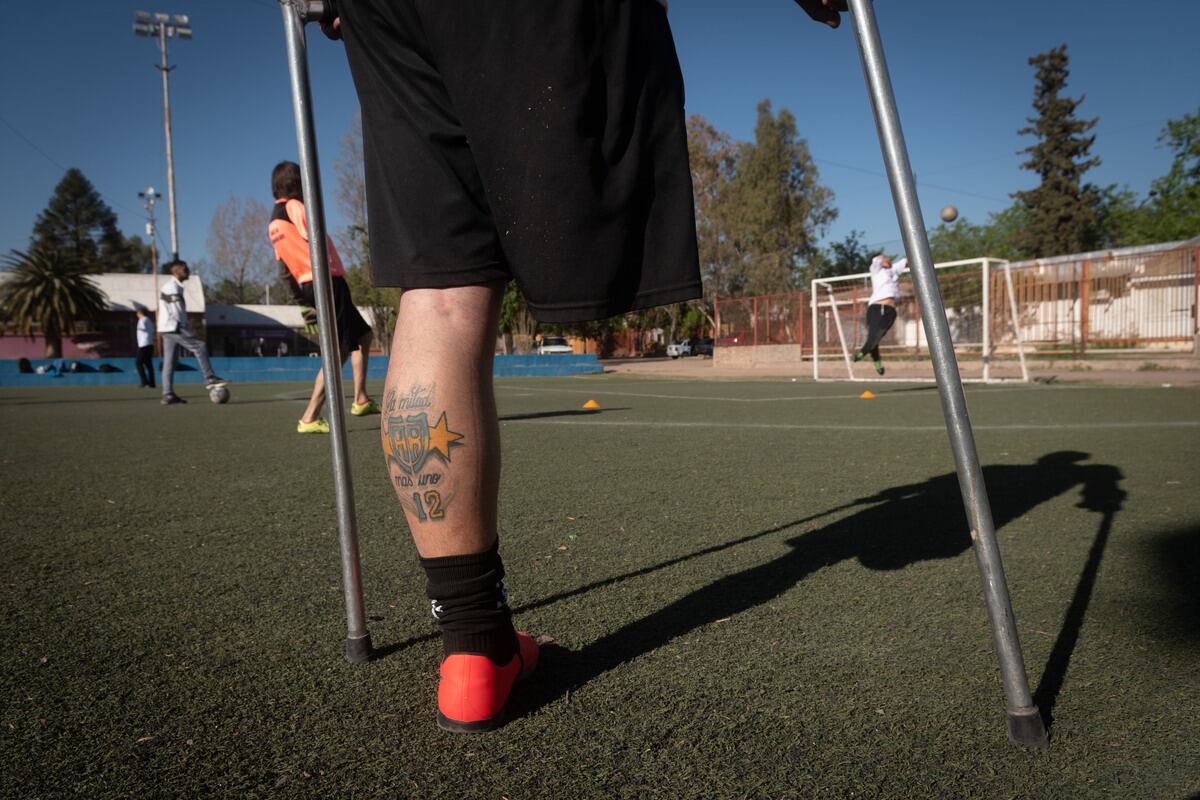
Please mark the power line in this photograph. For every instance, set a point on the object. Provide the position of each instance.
(879, 174)
(29, 142)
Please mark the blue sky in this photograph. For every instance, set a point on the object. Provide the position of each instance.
(78, 89)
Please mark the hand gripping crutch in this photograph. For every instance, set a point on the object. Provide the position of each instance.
(295, 14)
(1025, 726)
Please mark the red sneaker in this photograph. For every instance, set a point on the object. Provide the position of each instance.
(474, 691)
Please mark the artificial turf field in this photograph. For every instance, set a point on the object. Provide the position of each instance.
(758, 589)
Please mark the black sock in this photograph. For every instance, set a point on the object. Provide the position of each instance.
(469, 602)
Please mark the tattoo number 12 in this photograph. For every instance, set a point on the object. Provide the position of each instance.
(434, 501)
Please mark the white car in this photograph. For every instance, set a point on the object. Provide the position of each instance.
(554, 346)
(679, 349)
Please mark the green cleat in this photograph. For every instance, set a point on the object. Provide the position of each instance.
(879, 367)
(363, 409)
(318, 425)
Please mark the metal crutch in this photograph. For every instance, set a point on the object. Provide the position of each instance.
(295, 14)
(1025, 726)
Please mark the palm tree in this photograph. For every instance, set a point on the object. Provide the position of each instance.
(48, 291)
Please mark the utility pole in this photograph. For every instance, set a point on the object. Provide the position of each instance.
(151, 196)
(165, 26)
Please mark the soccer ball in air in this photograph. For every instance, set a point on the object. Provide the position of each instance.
(949, 214)
(219, 395)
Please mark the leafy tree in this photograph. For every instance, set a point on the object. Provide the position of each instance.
(351, 197)
(240, 251)
(383, 303)
(353, 242)
(80, 226)
(844, 258)
(712, 156)
(777, 207)
(135, 255)
(1061, 210)
(46, 290)
(1172, 211)
(998, 237)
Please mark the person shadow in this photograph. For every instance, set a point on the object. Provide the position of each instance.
(897, 527)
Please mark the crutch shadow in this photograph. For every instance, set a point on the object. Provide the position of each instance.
(898, 527)
(574, 412)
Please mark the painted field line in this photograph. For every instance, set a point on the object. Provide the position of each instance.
(781, 399)
(726, 425)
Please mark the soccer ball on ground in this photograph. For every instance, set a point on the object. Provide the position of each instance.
(219, 394)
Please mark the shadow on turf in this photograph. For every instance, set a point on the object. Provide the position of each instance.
(897, 527)
(1177, 553)
(574, 412)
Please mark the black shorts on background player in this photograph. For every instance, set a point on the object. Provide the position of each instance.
(541, 141)
(351, 327)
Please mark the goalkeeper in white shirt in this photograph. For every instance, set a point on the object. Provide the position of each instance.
(881, 308)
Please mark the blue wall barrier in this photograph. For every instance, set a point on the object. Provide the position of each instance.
(252, 369)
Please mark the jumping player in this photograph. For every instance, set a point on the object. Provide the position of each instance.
(881, 308)
(172, 320)
(541, 142)
(289, 236)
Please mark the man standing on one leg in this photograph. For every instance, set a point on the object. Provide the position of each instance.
(881, 308)
(538, 142)
(172, 320)
(288, 231)
(145, 353)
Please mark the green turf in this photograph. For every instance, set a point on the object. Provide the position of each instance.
(755, 589)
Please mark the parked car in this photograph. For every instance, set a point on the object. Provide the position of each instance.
(733, 338)
(679, 349)
(703, 347)
(554, 346)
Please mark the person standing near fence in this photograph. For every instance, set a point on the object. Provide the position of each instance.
(145, 351)
(881, 308)
(172, 320)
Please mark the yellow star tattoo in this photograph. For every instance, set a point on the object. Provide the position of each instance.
(441, 437)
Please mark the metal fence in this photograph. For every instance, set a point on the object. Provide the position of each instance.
(1128, 298)
(761, 320)
(1133, 297)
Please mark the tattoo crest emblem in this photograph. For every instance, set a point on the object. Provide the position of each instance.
(410, 440)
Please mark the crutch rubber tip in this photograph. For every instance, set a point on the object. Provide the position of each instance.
(359, 650)
(1026, 729)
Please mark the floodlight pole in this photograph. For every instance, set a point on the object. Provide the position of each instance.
(295, 14)
(166, 71)
(164, 26)
(1025, 725)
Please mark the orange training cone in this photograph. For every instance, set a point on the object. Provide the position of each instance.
(867, 395)
(591, 404)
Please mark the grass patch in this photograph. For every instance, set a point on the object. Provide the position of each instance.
(755, 589)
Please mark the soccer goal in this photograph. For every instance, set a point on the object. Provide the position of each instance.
(981, 308)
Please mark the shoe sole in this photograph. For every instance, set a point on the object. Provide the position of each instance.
(483, 725)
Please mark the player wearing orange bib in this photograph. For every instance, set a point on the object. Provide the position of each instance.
(289, 236)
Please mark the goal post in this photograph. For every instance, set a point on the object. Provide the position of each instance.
(981, 309)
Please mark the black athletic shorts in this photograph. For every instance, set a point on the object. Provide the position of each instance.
(541, 140)
(351, 327)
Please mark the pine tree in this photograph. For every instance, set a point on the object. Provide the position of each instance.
(80, 226)
(1061, 215)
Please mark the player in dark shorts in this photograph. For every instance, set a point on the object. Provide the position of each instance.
(288, 230)
(541, 142)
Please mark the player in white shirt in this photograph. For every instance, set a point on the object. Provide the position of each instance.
(881, 308)
(172, 320)
(145, 352)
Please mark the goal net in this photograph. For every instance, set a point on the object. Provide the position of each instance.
(980, 308)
